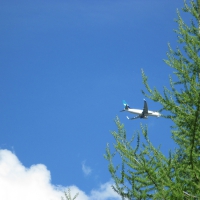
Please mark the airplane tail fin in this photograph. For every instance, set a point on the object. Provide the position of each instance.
(126, 106)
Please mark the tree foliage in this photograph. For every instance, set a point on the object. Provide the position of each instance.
(145, 173)
(68, 195)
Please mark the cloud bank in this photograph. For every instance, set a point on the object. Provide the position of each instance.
(21, 183)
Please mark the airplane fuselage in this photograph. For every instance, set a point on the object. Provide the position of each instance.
(138, 111)
(134, 111)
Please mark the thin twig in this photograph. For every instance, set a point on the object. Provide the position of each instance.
(189, 194)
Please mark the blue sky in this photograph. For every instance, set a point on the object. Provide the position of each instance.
(65, 67)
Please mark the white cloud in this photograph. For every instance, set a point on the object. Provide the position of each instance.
(20, 183)
(105, 192)
(86, 169)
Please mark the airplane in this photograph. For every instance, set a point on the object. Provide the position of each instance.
(141, 113)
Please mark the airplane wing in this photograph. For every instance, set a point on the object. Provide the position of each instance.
(145, 109)
(136, 117)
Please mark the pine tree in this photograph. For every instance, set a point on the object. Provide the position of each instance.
(145, 173)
